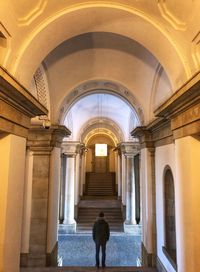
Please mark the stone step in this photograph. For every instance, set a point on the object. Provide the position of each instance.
(87, 217)
(100, 184)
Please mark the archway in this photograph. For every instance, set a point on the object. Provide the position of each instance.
(101, 117)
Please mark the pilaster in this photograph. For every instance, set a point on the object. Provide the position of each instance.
(147, 169)
(42, 142)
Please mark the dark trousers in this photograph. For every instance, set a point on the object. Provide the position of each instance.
(103, 250)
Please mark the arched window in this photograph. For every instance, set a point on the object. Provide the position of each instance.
(169, 217)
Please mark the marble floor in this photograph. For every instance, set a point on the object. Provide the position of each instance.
(79, 250)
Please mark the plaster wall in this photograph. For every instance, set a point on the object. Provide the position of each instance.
(12, 162)
(164, 155)
(187, 153)
(55, 164)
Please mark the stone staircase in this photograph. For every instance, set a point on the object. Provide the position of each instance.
(100, 184)
(87, 217)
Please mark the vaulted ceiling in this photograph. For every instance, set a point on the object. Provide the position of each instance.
(150, 48)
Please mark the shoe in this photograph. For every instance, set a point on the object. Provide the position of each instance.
(97, 266)
(103, 265)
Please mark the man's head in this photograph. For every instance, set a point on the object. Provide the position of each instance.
(101, 214)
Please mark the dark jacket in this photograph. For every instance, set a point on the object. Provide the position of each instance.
(101, 231)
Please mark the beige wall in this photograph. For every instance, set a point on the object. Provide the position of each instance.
(12, 163)
(187, 154)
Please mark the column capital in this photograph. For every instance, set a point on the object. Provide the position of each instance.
(40, 138)
(144, 135)
(72, 148)
(129, 149)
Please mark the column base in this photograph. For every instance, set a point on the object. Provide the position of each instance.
(67, 228)
(131, 228)
(40, 260)
(148, 259)
(32, 260)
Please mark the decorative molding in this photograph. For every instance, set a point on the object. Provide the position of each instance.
(100, 86)
(4, 33)
(71, 148)
(157, 133)
(16, 94)
(40, 87)
(33, 14)
(178, 117)
(129, 149)
(17, 106)
(43, 140)
(182, 99)
(106, 126)
(169, 17)
(196, 50)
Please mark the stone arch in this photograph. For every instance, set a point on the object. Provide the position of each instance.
(159, 36)
(107, 126)
(100, 86)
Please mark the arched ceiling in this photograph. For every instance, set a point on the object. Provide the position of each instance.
(101, 57)
(166, 28)
(149, 47)
(104, 108)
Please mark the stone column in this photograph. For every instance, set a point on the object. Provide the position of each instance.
(119, 175)
(129, 150)
(123, 175)
(69, 222)
(82, 174)
(71, 149)
(44, 173)
(62, 189)
(77, 180)
(130, 193)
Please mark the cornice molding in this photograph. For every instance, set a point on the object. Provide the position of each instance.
(185, 97)
(129, 148)
(18, 96)
(72, 148)
(178, 117)
(40, 138)
(17, 106)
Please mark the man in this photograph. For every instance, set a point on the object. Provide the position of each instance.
(101, 234)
